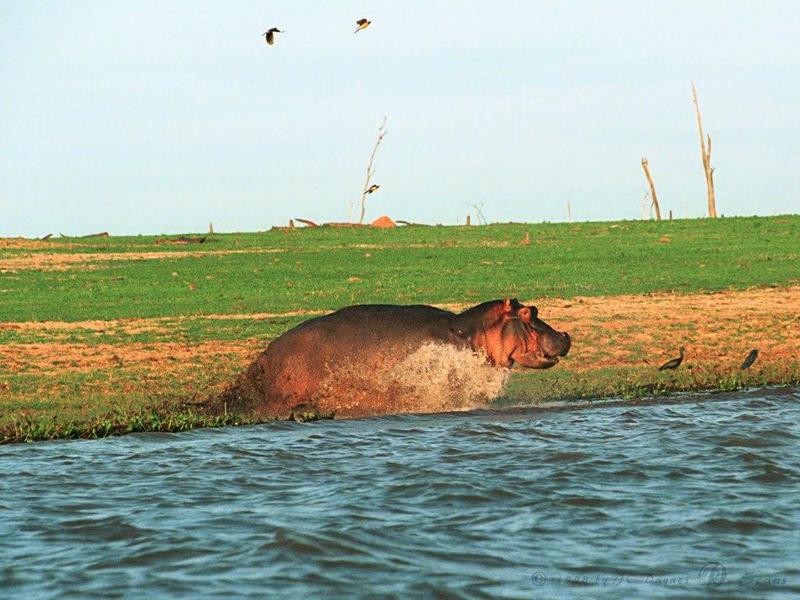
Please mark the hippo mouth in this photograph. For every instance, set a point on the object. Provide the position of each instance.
(549, 358)
(536, 360)
(546, 354)
(535, 344)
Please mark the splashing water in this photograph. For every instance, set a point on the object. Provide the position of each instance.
(434, 378)
(448, 378)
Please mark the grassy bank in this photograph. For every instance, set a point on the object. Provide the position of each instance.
(101, 336)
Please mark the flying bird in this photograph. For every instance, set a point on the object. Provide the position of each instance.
(362, 24)
(373, 188)
(270, 34)
(751, 358)
(674, 363)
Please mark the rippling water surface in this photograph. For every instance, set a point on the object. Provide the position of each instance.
(699, 498)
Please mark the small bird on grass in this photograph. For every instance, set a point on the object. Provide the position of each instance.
(674, 363)
(751, 358)
(269, 34)
(362, 24)
(373, 188)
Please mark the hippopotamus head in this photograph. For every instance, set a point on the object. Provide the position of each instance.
(510, 332)
(530, 342)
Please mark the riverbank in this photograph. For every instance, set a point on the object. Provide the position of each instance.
(107, 336)
(78, 389)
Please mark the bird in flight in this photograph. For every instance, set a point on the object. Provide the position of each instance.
(751, 358)
(269, 34)
(373, 188)
(362, 24)
(674, 363)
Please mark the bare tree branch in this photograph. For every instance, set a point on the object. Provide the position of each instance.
(370, 172)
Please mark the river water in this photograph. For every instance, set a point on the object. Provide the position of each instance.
(691, 499)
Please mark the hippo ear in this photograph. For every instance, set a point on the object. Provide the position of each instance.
(507, 304)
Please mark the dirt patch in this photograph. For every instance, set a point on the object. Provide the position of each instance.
(26, 244)
(717, 330)
(85, 358)
(87, 261)
(84, 260)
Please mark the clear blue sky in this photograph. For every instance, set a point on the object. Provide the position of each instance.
(154, 117)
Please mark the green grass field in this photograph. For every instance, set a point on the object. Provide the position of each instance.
(231, 276)
(325, 268)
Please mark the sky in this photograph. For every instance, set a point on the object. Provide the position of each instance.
(154, 117)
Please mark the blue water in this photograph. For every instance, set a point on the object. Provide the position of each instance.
(694, 499)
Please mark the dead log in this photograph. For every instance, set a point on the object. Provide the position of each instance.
(190, 239)
(184, 239)
(306, 222)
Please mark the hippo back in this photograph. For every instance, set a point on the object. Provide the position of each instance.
(366, 337)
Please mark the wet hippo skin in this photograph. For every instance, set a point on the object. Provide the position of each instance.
(296, 368)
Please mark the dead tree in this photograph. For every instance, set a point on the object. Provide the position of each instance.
(705, 154)
(646, 168)
(478, 212)
(370, 172)
(569, 211)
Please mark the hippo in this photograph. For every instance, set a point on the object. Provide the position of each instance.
(296, 369)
